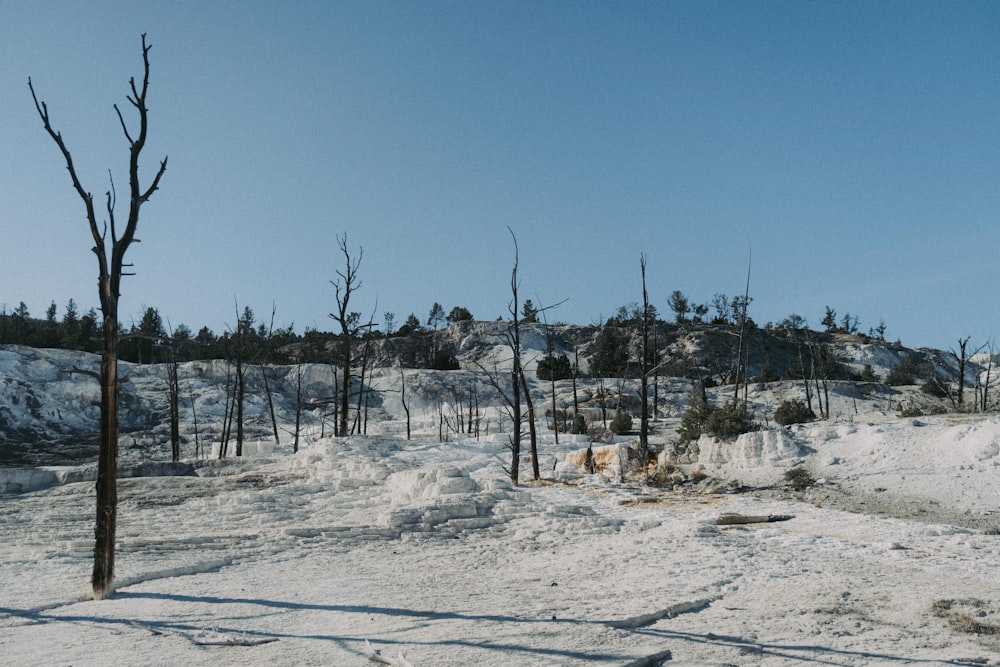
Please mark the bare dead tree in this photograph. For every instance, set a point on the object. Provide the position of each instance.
(298, 405)
(740, 365)
(194, 418)
(985, 391)
(551, 354)
(362, 424)
(227, 416)
(244, 327)
(509, 397)
(402, 393)
(532, 426)
(514, 340)
(173, 394)
(265, 358)
(576, 372)
(805, 377)
(346, 284)
(963, 361)
(110, 262)
(656, 370)
(645, 365)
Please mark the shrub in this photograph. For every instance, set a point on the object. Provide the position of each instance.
(911, 410)
(693, 422)
(905, 372)
(445, 360)
(799, 479)
(867, 374)
(610, 357)
(597, 433)
(729, 421)
(767, 372)
(554, 368)
(793, 412)
(622, 423)
(579, 425)
(935, 387)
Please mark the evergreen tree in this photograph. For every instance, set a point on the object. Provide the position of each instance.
(554, 368)
(459, 314)
(436, 316)
(829, 320)
(610, 358)
(410, 326)
(529, 314)
(680, 305)
(69, 337)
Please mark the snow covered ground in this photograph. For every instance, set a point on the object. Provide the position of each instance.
(420, 548)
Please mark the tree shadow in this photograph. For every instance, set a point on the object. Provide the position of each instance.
(796, 654)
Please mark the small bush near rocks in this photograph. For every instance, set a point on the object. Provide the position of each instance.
(867, 374)
(622, 423)
(793, 412)
(597, 433)
(726, 421)
(730, 420)
(935, 387)
(911, 410)
(905, 372)
(799, 479)
(579, 425)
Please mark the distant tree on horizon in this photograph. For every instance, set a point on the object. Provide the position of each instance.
(680, 305)
(459, 314)
(436, 317)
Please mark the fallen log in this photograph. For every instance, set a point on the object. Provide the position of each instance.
(652, 617)
(739, 519)
(651, 660)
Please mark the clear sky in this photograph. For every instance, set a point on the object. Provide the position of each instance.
(854, 146)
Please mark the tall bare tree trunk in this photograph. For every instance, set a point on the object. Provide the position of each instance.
(515, 375)
(345, 285)
(644, 365)
(743, 327)
(173, 390)
(109, 281)
(986, 384)
(240, 393)
(194, 418)
(406, 408)
(298, 405)
(532, 427)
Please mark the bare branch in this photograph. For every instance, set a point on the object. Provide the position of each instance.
(121, 120)
(88, 200)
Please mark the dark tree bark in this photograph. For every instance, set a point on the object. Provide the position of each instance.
(740, 365)
(514, 339)
(110, 265)
(532, 426)
(298, 405)
(576, 371)
(406, 408)
(986, 384)
(263, 372)
(963, 361)
(173, 389)
(194, 418)
(345, 285)
(645, 365)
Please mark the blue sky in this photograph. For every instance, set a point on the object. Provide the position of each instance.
(854, 146)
